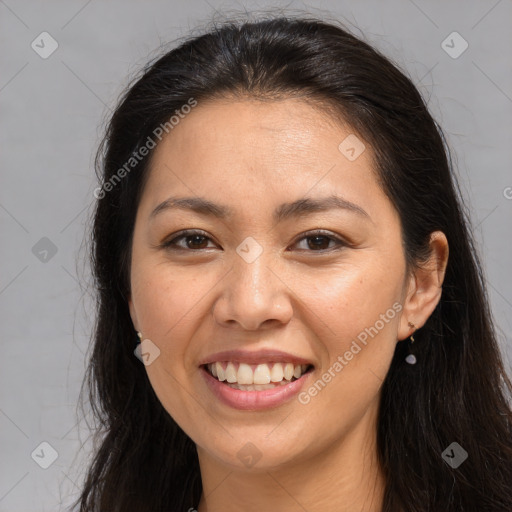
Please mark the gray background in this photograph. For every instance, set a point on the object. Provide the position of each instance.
(52, 115)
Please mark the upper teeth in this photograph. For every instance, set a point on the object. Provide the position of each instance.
(261, 374)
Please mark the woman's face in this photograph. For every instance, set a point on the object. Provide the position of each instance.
(262, 286)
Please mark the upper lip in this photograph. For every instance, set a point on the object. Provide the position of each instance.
(254, 357)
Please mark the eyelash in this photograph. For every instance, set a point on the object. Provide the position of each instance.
(171, 244)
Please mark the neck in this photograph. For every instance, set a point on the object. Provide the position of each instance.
(345, 477)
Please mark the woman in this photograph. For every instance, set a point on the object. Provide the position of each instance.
(279, 225)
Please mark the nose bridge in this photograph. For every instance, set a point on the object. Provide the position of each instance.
(253, 293)
(252, 274)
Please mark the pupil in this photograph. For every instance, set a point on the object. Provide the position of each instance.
(319, 237)
(194, 238)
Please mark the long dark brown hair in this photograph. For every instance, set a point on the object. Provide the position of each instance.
(457, 392)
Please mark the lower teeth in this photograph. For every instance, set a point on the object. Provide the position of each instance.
(257, 387)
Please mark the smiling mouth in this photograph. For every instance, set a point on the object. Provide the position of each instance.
(256, 377)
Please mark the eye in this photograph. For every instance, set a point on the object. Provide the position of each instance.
(320, 240)
(195, 240)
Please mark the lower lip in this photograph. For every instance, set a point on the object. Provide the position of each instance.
(254, 400)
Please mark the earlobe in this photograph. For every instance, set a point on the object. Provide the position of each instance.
(425, 286)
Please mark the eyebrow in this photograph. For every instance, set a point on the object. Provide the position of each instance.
(295, 209)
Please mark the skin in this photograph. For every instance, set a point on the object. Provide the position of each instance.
(252, 156)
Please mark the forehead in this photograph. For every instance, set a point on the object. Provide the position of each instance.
(237, 150)
(290, 127)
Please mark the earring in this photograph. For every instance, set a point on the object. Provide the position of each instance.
(411, 358)
(139, 334)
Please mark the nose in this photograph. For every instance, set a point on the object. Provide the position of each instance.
(254, 296)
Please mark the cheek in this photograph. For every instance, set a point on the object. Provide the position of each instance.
(165, 307)
(349, 299)
(356, 318)
(164, 300)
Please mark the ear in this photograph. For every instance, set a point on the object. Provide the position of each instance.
(133, 314)
(425, 287)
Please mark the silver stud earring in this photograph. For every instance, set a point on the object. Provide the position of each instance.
(411, 358)
(139, 334)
